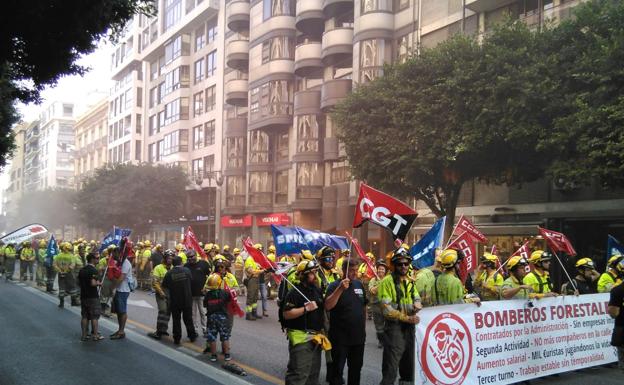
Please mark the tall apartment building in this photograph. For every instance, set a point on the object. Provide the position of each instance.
(32, 157)
(289, 62)
(56, 143)
(16, 171)
(91, 147)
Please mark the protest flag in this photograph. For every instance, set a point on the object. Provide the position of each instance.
(261, 259)
(370, 267)
(51, 251)
(465, 243)
(614, 247)
(423, 252)
(191, 243)
(557, 241)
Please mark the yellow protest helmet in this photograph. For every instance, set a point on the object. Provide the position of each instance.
(140, 244)
(208, 247)
(272, 249)
(226, 248)
(147, 244)
(585, 263)
(345, 252)
(43, 243)
(214, 281)
(66, 246)
(307, 266)
(236, 251)
(179, 247)
(216, 247)
(539, 256)
(306, 254)
(258, 246)
(448, 258)
(370, 256)
(614, 260)
(516, 261)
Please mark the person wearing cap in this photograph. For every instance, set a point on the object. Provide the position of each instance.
(27, 261)
(64, 264)
(156, 257)
(488, 280)
(513, 287)
(447, 287)
(226, 253)
(610, 278)
(373, 287)
(400, 303)
(181, 252)
(585, 281)
(216, 299)
(200, 270)
(616, 311)
(539, 278)
(270, 286)
(303, 315)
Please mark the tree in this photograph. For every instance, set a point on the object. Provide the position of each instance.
(53, 208)
(463, 110)
(132, 196)
(41, 40)
(586, 55)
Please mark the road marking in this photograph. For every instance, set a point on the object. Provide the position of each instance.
(256, 372)
(140, 303)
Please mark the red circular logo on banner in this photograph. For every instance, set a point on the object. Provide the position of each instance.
(446, 353)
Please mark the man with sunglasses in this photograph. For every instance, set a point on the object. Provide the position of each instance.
(399, 301)
(326, 273)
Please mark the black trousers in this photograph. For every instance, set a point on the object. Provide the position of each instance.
(398, 353)
(187, 316)
(353, 356)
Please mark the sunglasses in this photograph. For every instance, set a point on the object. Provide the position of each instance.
(327, 259)
(401, 264)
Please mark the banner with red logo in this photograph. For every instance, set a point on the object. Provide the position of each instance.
(557, 241)
(465, 243)
(24, 234)
(383, 210)
(191, 243)
(260, 258)
(464, 224)
(504, 342)
(370, 266)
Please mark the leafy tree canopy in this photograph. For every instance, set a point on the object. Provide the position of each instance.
(132, 196)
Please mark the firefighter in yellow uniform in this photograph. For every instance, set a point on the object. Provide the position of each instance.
(610, 278)
(447, 287)
(41, 257)
(513, 287)
(539, 278)
(181, 253)
(344, 255)
(289, 259)
(271, 286)
(158, 274)
(424, 280)
(9, 261)
(252, 272)
(144, 266)
(488, 281)
(239, 266)
(2, 246)
(64, 264)
(27, 261)
(327, 274)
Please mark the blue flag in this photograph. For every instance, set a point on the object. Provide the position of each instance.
(291, 240)
(114, 237)
(423, 252)
(614, 247)
(51, 251)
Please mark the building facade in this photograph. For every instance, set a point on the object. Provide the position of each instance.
(56, 143)
(91, 146)
(16, 170)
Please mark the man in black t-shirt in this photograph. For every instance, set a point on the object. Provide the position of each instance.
(178, 282)
(200, 270)
(616, 310)
(90, 298)
(346, 301)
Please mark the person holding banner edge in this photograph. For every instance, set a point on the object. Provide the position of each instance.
(609, 278)
(539, 278)
(513, 287)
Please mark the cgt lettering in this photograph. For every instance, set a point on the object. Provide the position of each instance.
(380, 214)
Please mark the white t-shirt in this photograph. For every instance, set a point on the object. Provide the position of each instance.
(126, 268)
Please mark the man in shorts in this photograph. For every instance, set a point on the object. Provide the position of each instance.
(90, 298)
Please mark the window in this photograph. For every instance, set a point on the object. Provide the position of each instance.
(138, 123)
(198, 104)
(235, 148)
(373, 53)
(209, 130)
(260, 187)
(272, 8)
(281, 47)
(339, 172)
(376, 5)
(126, 151)
(153, 97)
(174, 142)
(200, 38)
(211, 63)
(309, 180)
(282, 148)
(198, 137)
(199, 71)
(281, 187)
(176, 110)
(173, 50)
(235, 191)
(211, 98)
(197, 168)
(161, 120)
(152, 152)
(209, 163)
(173, 12)
(161, 150)
(161, 92)
(401, 4)
(307, 134)
(404, 48)
(273, 98)
(137, 150)
(259, 147)
(212, 33)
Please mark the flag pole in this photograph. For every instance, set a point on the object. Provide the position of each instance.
(452, 233)
(565, 271)
(295, 287)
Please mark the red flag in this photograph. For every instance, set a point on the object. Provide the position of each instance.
(557, 241)
(190, 242)
(370, 268)
(523, 251)
(466, 245)
(467, 226)
(494, 250)
(233, 307)
(260, 258)
(383, 210)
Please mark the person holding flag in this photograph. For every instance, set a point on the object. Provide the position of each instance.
(513, 287)
(253, 272)
(539, 277)
(488, 279)
(610, 278)
(585, 281)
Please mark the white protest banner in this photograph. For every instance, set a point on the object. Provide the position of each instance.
(503, 342)
(24, 233)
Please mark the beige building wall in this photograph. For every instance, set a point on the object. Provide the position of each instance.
(91, 148)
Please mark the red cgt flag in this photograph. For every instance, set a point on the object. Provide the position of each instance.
(260, 258)
(383, 210)
(465, 243)
(190, 242)
(523, 251)
(467, 226)
(557, 241)
(370, 268)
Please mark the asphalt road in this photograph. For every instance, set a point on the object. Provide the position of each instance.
(258, 346)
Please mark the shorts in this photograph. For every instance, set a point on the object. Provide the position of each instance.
(120, 302)
(217, 324)
(90, 308)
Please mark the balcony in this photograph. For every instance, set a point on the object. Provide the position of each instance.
(337, 47)
(236, 92)
(333, 8)
(235, 127)
(374, 25)
(487, 5)
(308, 61)
(307, 102)
(310, 19)
(238, 16)
(333, 91)
(237, 55)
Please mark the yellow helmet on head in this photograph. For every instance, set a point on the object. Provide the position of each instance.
(345, 252)
(66, 246)
(216, 247)
(258, 246)
(307, 266)
(539, 256)
(226, 248)
(93, 242)
(516, 261)
(158, 247)
(208, 247)
(140, 244)
(620, 267)
(179, 247)
(272, 249)
(307, 255)
(43, 243)
(236, 251)
(585, 263)
(487, 257)
(614, 260)
(449, 258)
(371, 256)
(147, 244)
(214, 281)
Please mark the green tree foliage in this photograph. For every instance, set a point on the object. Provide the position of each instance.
(53, 208)
(463, 110)
(586, 56)
(41, 40)
(132, 196)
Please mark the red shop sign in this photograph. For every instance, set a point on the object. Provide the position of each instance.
(229, 221)
(280, 219)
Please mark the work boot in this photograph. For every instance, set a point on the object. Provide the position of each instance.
(250, 317)
(154, 335)
(61, 303)
(255, 314)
